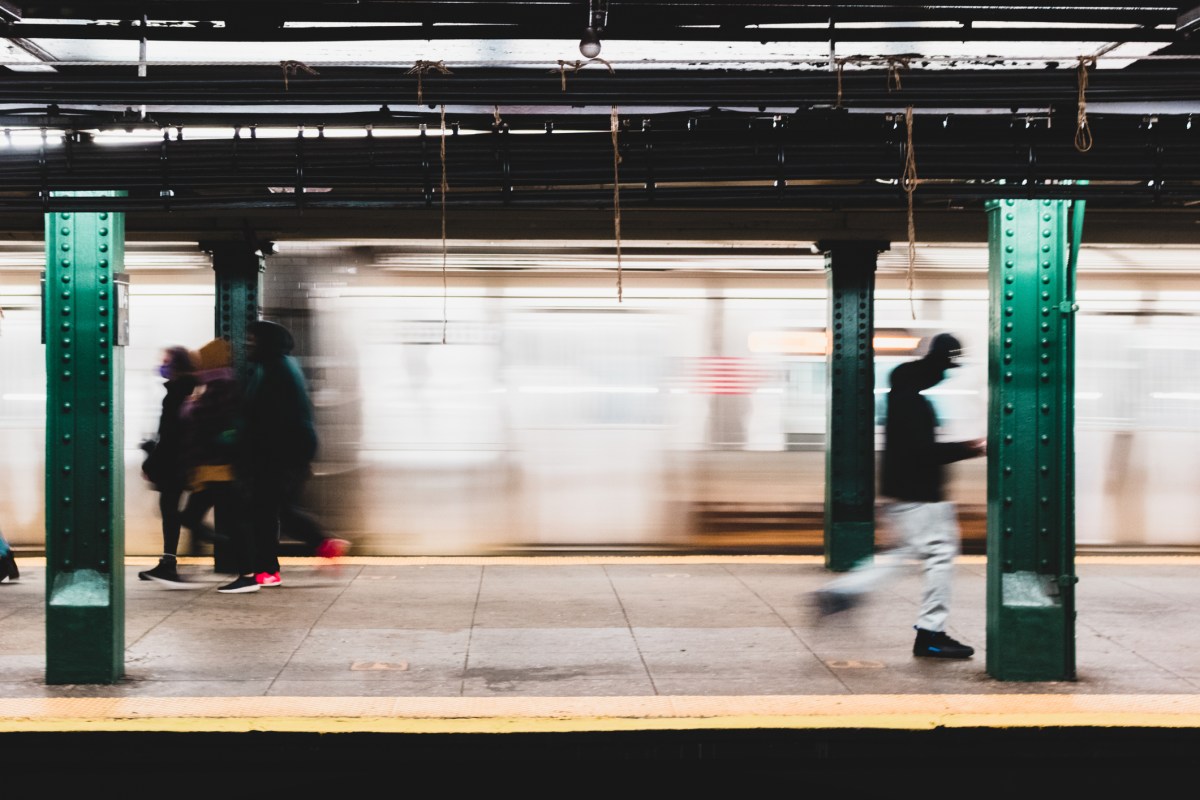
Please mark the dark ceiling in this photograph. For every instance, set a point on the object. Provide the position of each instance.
(751, 107)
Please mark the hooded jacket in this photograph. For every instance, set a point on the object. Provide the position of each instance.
(913, 459)
(278, 434)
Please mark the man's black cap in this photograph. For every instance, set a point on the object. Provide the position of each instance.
(945, 347)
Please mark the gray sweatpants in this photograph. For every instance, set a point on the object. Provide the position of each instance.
(927, 534)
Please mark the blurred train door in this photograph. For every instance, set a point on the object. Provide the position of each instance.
(588, 388)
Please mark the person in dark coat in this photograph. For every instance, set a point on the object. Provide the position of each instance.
(211, 435)
(925, 524)
(164, 465)
(276, 448)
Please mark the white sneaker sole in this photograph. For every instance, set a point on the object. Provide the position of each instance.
(176, 584)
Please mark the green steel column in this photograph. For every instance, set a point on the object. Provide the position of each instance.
(850, 418)
(1031, 459)
(239, 271)
(84, 306)
(238, 267)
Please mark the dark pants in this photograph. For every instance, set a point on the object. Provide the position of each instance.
(231, 550)
(275, 510)
(168, 507)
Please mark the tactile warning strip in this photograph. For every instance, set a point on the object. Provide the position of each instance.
(564, 714)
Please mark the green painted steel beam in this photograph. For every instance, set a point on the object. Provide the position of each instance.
(1031, 462)
(850, 419)
(85, 323)
(238, 267)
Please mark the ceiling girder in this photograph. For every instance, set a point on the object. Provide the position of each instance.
(1150, 86)
(838, 158)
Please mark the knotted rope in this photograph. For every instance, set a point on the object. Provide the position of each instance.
(422, 68)
(294, 67)
(1083, 131)
(894, 67)
(575, 66)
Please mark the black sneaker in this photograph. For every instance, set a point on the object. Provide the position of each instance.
(8, 568)
(936, 644)
(243, 583)
(166, 574)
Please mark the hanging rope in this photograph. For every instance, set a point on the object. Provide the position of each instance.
(423, 68)
(293, 67)
(445, 188)
(894, 66)
(615, 125)
(1083, 131)
(909, 182)
(575, 66)
(840, 66)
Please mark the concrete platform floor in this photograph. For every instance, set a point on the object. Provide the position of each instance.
(598, 645)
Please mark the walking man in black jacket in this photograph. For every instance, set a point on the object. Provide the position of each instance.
(924, 523)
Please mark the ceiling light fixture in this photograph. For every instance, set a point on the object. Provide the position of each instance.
(589, 45)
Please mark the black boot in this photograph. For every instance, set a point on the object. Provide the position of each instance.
(8, 568)
(936, 644)
(164, 573)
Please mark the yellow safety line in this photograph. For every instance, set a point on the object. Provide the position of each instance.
(565, 714)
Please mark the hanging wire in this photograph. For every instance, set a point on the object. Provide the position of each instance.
(909, 182)
(1083, 130)
(615, 125)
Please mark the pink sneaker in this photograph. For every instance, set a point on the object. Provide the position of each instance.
(268, 579)
(333, 548)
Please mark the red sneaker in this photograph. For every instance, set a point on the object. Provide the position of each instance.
(268, 579)
(333, 548)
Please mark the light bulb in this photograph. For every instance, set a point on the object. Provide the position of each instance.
(589, 45)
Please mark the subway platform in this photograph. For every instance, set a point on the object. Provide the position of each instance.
(713, 660)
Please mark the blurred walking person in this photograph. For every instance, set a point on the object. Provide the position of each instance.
(164, 465)
(923, 521)
(210, 436)
(276, 448)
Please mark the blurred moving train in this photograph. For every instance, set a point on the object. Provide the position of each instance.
(525, 409)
